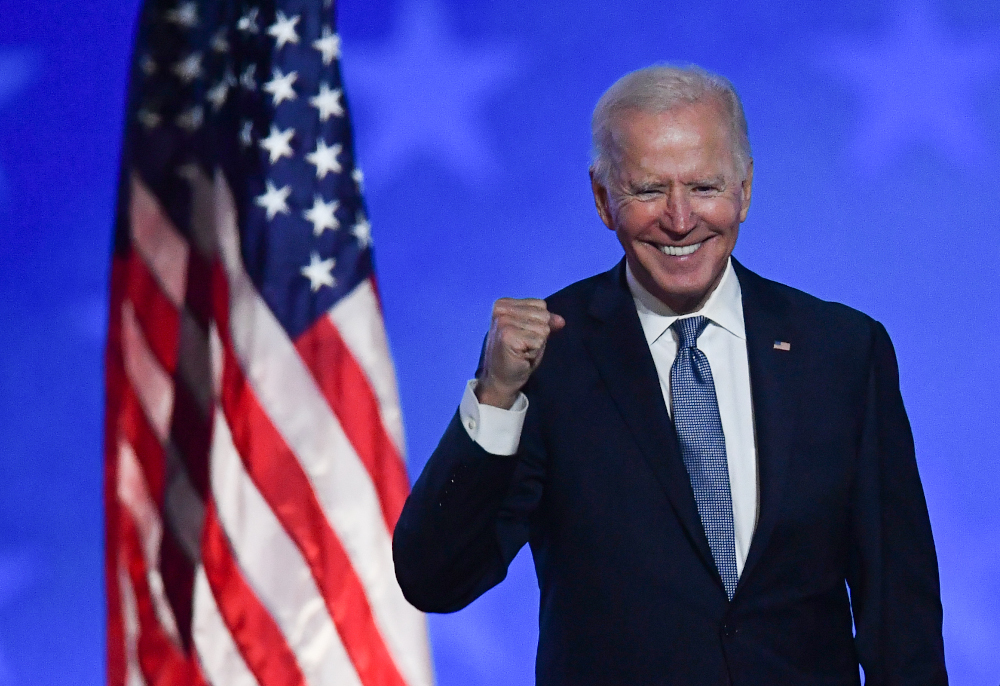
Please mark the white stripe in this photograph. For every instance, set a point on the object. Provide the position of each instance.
(300, 413)
(130, 626)
(134, 494)
(162, 248)
(152, 385)
(220, 660)
(275, 568)
(358, 318)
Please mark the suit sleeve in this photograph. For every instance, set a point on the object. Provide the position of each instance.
(468, 515)
(893, 572)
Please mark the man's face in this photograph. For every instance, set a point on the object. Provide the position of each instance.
(676, 201)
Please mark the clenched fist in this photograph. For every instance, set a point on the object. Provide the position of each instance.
(514, 347)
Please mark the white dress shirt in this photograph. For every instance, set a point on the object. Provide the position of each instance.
(723, 341)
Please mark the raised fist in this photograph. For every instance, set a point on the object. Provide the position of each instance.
(518, 332)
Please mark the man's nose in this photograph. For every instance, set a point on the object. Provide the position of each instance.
(680, 214)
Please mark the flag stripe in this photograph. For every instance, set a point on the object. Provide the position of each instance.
(160, 659)
(162, 248)
(217, 653)
(294, 409)
(256, 636)
(130, 622)
(358, 318)
(345, 387)
(135, 429)
(145, 517)
(286, 488)
(156, 315)
(257, 539)
(152, 385)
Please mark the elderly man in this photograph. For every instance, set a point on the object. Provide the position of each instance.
(703, 461)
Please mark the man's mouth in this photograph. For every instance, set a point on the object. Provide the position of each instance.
(679, 250)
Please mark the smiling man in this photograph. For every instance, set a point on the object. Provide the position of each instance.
(703, 461)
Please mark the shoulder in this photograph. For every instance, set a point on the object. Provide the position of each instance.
(837, 325)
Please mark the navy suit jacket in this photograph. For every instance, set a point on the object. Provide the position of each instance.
(629, 590)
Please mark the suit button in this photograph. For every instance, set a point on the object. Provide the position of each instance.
(728, 630)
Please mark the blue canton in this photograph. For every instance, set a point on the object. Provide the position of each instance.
(703, 445)
(254, 89)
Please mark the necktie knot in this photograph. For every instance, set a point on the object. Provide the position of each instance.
(688, 330)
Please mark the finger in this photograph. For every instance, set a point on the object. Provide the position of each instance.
(556, 322)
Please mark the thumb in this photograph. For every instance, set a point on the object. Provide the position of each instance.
(556, 322)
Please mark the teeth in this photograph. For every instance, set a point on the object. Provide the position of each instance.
(679, 250)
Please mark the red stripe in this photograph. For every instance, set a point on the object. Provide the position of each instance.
(255, 633)
(345, 387)
(282, 482)
(157, 316)
(134, 427)
(161, 661)
(115, 384)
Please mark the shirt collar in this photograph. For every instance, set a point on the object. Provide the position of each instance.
(723, 308)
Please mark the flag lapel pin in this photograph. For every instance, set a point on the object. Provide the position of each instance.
(782, 345)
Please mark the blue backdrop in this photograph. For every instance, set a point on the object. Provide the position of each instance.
(876, 133)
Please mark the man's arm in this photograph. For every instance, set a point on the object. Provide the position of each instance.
(893, 572)
(452, 542)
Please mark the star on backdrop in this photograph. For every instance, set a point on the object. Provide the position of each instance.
(17, 68)
(427, 89)
(917, 85)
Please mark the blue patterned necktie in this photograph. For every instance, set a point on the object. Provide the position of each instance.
(703, 445)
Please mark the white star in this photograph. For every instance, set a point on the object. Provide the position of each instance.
(147, 65)
(277, 143)
(189, 68)
(246, 133)
(321, 214)
(916, 85)
(362, 230)
(248, 78)
(359, 178)
(327, 102)
(274, 200)
(219, 42)
(184, 15)
(283, 30)
(248, 22)
(324, 158)
(148, 119)
(217, 95)
(430, 89)
(280, 86)
(192, 119)
(328, 44)
(318, 272)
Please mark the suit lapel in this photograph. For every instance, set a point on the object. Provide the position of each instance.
(774, 374)
(619, 350)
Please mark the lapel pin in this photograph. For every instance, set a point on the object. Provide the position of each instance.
(782, 345)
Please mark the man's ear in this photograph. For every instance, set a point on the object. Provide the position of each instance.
(601, 200)
(746, 192)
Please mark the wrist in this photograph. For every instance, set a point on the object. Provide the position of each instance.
(488, 392)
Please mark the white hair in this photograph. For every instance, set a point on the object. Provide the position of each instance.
(654, 90)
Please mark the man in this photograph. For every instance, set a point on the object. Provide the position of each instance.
(703, 461)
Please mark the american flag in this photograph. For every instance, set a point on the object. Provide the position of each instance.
(254, 445)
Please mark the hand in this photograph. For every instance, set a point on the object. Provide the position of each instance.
(518, 332)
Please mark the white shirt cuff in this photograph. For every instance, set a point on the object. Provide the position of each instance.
(496, 430)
